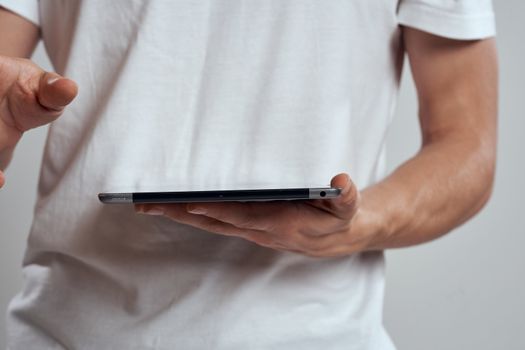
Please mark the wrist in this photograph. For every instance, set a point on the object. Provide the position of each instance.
(371, 226)
(375, 221)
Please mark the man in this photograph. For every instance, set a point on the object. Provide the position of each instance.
(237, 94)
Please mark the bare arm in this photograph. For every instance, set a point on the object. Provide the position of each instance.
(29, 96)
(443, 185)
(18, 35)
(451, 177)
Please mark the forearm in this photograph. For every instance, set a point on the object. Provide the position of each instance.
(18, 36)
(445, 184)
(450, 178)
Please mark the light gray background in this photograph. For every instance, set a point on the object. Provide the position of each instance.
(464, 291)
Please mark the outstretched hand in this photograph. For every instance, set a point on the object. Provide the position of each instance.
(29, 97)
(317, 228)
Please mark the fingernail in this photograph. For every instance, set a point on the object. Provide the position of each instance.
(52, 80)
(196, 210)
(152, 211)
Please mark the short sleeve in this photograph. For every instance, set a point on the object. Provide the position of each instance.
(454, 19)
(25, 8)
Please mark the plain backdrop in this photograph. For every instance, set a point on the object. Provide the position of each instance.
(463, 291)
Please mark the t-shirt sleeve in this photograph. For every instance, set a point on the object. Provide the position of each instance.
(454, 19)
(25, 8)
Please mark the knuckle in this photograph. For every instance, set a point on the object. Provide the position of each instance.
(259, 223)
(247, 222)
(268, 225)
(217, 227)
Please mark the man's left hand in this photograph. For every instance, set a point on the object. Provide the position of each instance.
(316, 228)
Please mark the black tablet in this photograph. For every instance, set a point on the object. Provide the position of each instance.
(244, 195)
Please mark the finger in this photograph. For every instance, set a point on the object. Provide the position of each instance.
(2, 179)
(264, 216)
(344, 206)
(279, 217)
(178, 213)
(56, 92)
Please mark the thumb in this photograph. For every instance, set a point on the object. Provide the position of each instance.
(55, 92)
(347, 203)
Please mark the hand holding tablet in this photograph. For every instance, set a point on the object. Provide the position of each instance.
(272, 218)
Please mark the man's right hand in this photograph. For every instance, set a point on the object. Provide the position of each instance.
(29, 97)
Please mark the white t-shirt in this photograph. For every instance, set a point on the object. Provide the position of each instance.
(200, 95)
